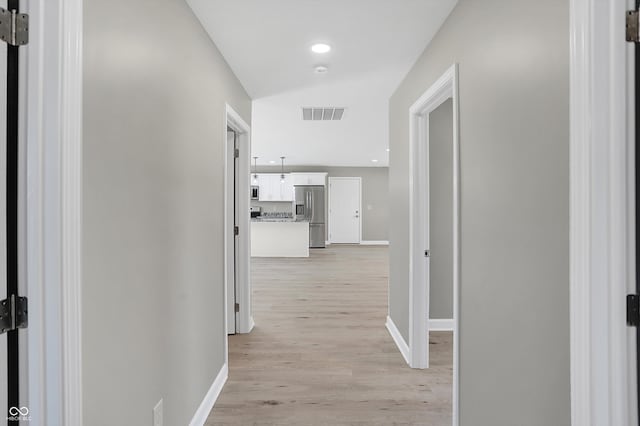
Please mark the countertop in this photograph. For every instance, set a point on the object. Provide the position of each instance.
(277, 219)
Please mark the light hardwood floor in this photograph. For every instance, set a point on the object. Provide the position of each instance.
(320, 353)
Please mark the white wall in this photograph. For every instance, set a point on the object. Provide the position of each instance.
(155, 88)
(361, 136)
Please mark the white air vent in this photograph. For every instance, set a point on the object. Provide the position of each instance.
(322, 114)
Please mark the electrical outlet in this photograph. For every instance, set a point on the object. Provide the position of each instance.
(157, 414)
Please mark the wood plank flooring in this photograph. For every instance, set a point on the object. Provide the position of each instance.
(320, 353)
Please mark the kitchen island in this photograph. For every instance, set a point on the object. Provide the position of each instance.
(279, 238)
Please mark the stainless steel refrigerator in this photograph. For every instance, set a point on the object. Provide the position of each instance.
(308, 204)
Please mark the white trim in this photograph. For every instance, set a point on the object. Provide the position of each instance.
(203, 411)
(601, 238)
(71, 174)
(327, 243)
(245, 322)
(579, 222)
(441, 324)
(331, 179)
(54, 211)
(398, 340)
(444, 88)
(374, 243)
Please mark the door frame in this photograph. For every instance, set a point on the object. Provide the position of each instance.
(444, 88)
(602, 209)
(54, 246)
(245, 321)
(331, 180)
(54, 211)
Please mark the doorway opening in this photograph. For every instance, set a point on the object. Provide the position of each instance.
(320, 305)
(440, 220)
(434, 222)
(237, 149)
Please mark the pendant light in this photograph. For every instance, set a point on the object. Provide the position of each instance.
(281, 169)
(255, 170)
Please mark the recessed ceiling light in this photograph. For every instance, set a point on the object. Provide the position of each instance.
(374, 161)
(321, 48)
(321, 69)
(272, 162)
(388, 149)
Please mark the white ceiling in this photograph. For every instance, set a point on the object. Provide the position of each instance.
(374, 44)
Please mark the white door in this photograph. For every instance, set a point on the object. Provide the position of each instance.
(231, 242)
(344, 210)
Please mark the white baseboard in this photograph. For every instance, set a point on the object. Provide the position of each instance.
(200, 417)
(327, 243)
(374, 243)
(399, 340)
(440, 324)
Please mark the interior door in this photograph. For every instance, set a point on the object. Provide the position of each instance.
(236, 226)
(13, 308)
(344, 213)
(636, 101)
(232, 239)
(4, 408)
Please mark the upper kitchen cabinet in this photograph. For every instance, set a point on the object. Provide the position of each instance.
(286, 187)
(266, 186)
(271, 187)
(309, 179)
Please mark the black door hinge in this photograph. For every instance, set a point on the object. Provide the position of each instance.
(633, 310)
(236, 153)
(237, 307)
(13, 313)
(633, 26)
(14, 27)
(236, 230)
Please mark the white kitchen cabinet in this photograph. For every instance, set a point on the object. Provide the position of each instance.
(286, 188)
(262, 186)
(309, 178)
(272, 189)
(266, 187)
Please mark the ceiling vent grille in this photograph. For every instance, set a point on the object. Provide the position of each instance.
(322, 114)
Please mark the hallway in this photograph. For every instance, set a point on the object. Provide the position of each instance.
(320, 353)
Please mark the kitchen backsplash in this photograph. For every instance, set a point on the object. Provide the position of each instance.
(278, 215)
(274, 206)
